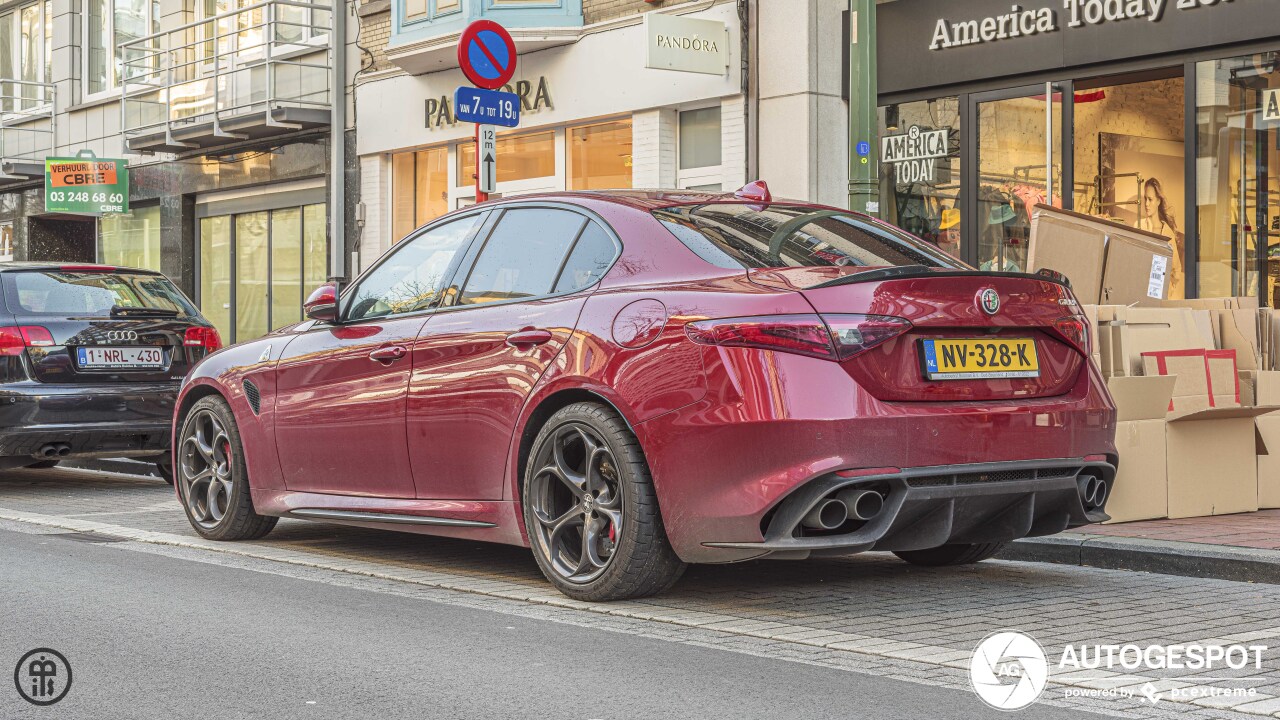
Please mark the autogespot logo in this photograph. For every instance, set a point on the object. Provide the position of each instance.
(1008, 670)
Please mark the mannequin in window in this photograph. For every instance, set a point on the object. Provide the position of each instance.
(1156, 216)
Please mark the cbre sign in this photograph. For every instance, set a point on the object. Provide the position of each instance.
(86, 185)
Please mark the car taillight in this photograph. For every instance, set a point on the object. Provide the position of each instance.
(205, 337)
(1075, 331)
(830, 337)
(13, 340)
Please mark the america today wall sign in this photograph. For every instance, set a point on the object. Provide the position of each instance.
(915, 154)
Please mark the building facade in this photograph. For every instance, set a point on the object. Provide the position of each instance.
(1162, 116)
(222, 110)
(603, 106)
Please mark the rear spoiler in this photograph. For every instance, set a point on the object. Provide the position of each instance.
(907, 271)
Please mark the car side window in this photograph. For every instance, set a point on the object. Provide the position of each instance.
(523, 255)
(591, 257)
(412, 278)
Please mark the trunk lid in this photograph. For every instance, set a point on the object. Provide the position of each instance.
(104, 325)
(945, 304)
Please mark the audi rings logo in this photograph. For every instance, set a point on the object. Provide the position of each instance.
(121, 336)
(1008, 670)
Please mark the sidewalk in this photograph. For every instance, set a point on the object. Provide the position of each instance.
(1243, 547)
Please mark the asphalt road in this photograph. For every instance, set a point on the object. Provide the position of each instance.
(150, 636)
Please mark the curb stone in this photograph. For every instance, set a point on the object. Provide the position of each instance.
(1200, 560)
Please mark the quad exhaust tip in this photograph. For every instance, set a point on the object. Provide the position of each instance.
(852, 504)
(1093, 491)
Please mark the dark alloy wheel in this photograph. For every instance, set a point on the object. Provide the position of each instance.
(590, 509)
(212, 480)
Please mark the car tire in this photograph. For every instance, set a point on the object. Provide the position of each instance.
(595, 445)
(43, 465)
(946, 555)
(209, 453)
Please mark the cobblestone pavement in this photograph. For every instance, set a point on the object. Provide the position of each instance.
(1252, 530)
(867, 614)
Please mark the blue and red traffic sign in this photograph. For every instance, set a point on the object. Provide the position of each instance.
(487, 54)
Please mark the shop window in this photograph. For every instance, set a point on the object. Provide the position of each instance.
(1130, 163)
(1238, 155)
(255, 268)
(523, 255)
(600, 156)
(438, 16)
(523, 157)
(920, 170)
(131, 240)
(419, 189)
(26, 54)
(699, 148)
(110, 23)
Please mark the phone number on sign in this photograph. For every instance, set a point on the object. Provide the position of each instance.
(72, 196)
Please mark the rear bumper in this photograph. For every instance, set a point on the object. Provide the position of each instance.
(932, 506)
(91, 420)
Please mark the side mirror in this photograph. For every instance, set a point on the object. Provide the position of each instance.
(322, 305)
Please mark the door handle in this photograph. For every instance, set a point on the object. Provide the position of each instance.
(529, 338)
(388, 354)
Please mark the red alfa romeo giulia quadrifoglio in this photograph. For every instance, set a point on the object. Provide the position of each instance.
(631, 381)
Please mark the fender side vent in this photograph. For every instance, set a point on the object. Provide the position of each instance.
(255, 398)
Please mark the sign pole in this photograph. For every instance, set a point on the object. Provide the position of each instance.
(864, 121)
(481, 195)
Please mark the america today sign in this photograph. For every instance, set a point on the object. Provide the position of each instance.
(915, 154)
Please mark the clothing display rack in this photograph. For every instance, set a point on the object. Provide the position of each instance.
(1099, 206)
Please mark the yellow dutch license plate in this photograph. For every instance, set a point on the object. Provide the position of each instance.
(980, 359)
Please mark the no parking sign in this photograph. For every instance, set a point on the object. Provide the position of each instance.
(487, 54)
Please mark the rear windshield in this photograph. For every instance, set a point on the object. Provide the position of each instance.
(733, 235)
(92, 294)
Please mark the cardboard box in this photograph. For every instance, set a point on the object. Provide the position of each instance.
(1238, 330)
(1224, 378)
(1190, 370)
(1268, 428)
(1107, 262)
(1260, 387)
(1141, 489)
(1141, 330)
(1095, 343)
(1211, 459)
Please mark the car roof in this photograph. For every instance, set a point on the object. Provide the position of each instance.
(53, 265)
(643, 199)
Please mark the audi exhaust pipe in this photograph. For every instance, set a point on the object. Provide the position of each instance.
(63, 449)
(828, 514)
(47, 450)
(861, 505)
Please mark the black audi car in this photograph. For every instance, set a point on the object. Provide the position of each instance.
(91, 358)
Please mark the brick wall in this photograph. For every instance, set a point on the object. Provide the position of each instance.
(594, 11)
(375, 33)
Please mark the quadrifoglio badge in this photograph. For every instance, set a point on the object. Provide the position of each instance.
(1010, 670)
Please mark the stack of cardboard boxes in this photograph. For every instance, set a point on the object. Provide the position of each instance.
(1194, 381)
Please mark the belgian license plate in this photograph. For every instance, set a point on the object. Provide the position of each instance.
(120, 357)
(980, 359)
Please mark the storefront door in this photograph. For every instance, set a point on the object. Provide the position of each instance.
(1018, 164)
(1238, 154)
(257, 267)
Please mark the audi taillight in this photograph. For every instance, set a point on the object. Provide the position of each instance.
(14, 340)
(205, 337)
(830, 337)
(1075, 331)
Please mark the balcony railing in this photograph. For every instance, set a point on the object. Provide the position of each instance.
(248, 73)
(27, 112)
